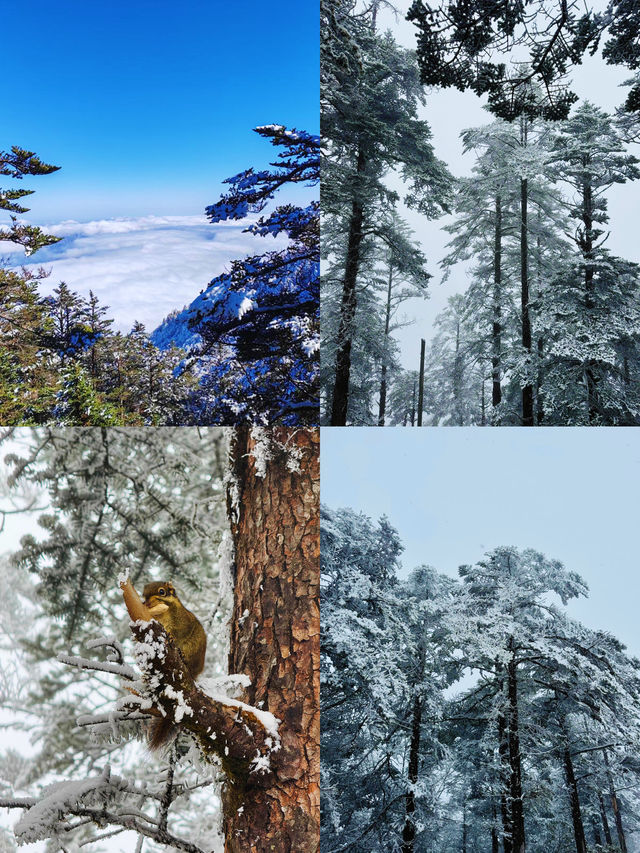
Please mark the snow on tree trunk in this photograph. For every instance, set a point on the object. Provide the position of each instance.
(275, 633)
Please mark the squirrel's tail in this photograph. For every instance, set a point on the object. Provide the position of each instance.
(161, 731)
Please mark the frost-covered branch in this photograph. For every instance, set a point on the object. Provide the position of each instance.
(242, 737)
(95, 798)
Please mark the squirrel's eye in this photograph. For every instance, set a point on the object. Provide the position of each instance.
(161, 592)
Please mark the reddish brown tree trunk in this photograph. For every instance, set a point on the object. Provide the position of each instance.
(275, 633)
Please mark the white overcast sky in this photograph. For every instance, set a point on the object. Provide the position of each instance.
(448, 112)
(454, 494)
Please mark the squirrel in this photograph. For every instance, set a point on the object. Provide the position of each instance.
(188, 635)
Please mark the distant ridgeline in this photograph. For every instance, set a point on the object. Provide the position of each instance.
(245, 351)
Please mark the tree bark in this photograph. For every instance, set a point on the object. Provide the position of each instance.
(505, 810)
(275, 633)
(409, 829)
(457, 380)
(515, 761)
(574, 800)
(387, 324)
(605, 821)
(593, 403)
(496, 336)
(527, 390)
(615, 805)
(340, 401)
(421, 383)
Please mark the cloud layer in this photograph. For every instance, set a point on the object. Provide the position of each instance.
(142, 268)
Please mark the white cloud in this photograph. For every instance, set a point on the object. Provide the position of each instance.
(142, 268)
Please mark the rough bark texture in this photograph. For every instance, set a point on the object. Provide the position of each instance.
(275, 634)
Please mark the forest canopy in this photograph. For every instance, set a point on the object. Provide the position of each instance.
(470, 713)
(542, 327)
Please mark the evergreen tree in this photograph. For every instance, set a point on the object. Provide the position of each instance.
(259, 322)
(16, 164)
(371, 126)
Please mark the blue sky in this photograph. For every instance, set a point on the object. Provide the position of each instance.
(148, 105)
(455, 493)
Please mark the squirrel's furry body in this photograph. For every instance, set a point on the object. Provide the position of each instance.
(186, 632)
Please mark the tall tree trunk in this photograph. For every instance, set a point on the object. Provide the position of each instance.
(413, 404)
(483, 416)
(515, 760)
(527, 391)
(574, 799)
(409, 829)
(340, 401)
(385, 349)
(605, 821)
(496, 336)
(593, 403)
(457, 380)
(597, 838)
(465, 828)
(505, 799)
(540, 377)
(615, 805)
(275, 631)
(421, 383)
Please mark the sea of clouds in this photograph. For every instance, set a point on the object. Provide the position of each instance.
(141, 268)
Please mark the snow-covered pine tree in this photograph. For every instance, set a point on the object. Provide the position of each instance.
(370, 125)
(592, 316)
(259, 322)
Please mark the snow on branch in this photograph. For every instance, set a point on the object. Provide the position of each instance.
(241, 737)
(96, 798)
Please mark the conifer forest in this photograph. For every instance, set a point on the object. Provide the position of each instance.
(244, 351)
(469, 714)
(541, 327)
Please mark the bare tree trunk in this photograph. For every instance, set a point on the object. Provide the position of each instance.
(496, 337)
(409, 829)
(615, 805)
(340, 400)
(275, 631)
(413, 404)
(574, 799)
(505, 810)
(515, 761)
(527, 390)
(458, 370)
(387, 324)
(593, 402)
(421, 383)
(605, 821)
